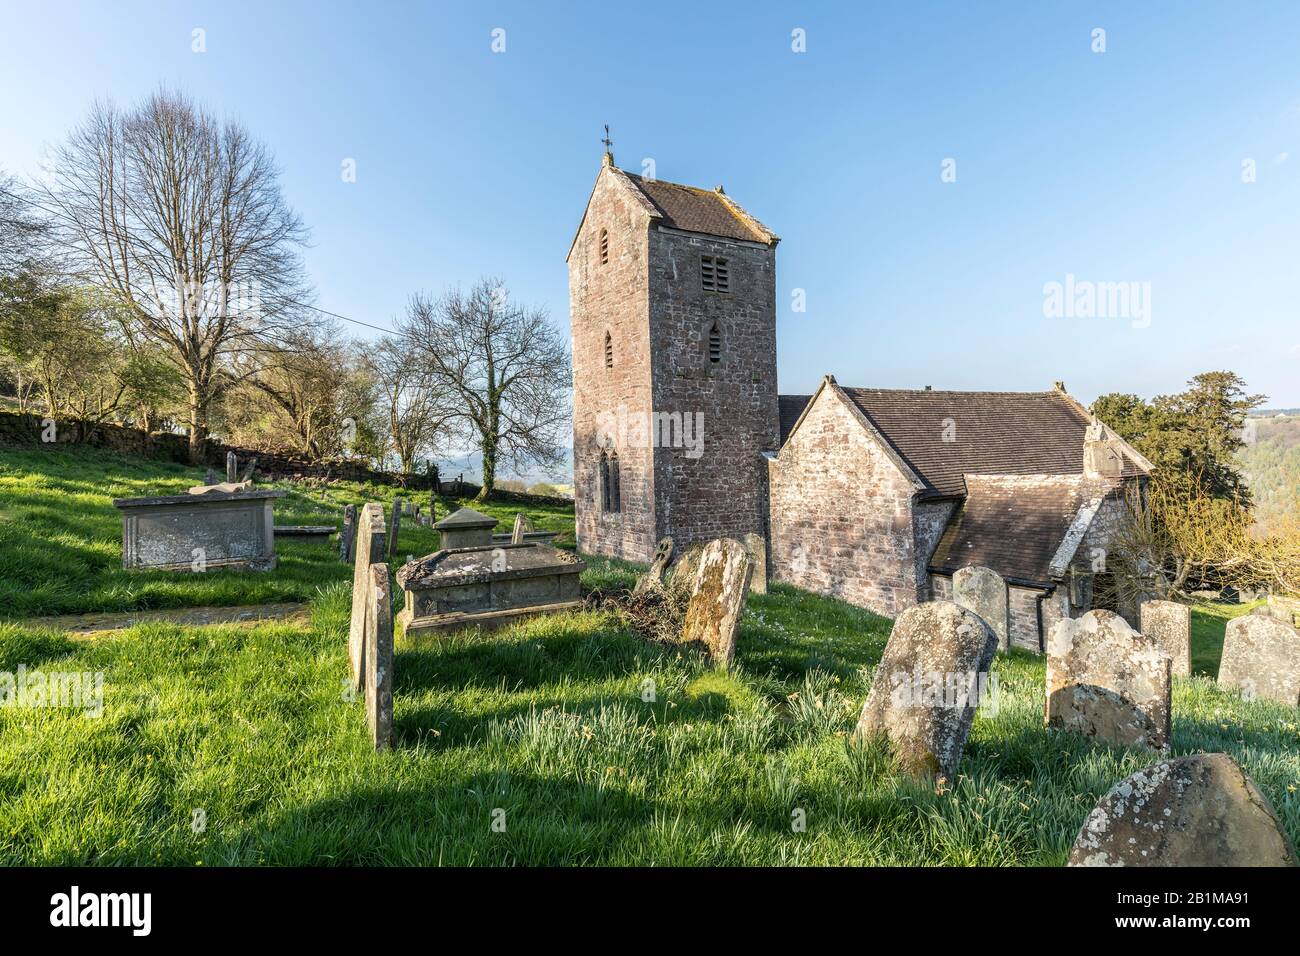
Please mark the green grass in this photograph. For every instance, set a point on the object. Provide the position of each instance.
(1209, 622)
(61, 537)
(547, 722)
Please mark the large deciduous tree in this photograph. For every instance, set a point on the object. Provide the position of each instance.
(180, 217)
(505, 365)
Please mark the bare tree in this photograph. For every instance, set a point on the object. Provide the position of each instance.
(416, 409)
(181, 218)
(507, 366)
(24, 230)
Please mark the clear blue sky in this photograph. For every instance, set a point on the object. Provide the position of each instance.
(1119, 166)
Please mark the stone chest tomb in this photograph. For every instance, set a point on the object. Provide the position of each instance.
(205, 529)
(487, 586)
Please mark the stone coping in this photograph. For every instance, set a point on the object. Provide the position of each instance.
(305, 529)
(475, 565)
(212, 497)
(465, 519)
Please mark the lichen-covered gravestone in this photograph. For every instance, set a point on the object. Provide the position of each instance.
(379, 657)
(1106, 680)
(1193, 811)
(756, 545)
(1261, 658)
(926, 688)
(523, 525)
(684, 568)
(1167, 624)
(984, 591)
(347, 537)
(717, 602)
(369, 549)
(653, 579)
(395, 527)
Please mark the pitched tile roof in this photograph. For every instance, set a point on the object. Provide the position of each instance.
(1014, 524)
(701, 210)
(945, 435)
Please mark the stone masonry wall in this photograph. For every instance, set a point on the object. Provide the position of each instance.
(717, 488)
(929, 519)
(611, 297)
(841, 513)
(1022, 606)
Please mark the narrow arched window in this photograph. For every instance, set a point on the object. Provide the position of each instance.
(715, 344)
(604, 246)
(615, 481)
(602, 492)
(609, 351)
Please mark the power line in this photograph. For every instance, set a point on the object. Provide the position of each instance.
(304, 305)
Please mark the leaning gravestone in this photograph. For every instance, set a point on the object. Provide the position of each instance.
(379, 657)
(369, 549)
(926, 688)
(718, 599)
(1168, 625)
(232, 467)
(1261, 658)
(683, 570)
(1193, 811)
(983, 591)
(756, 545)
(1106, 680)
(523, 525)
(653, 579)
(395, 528)
(348, 535)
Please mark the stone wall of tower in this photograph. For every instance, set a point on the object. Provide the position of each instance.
(611, 298)
(716, 483)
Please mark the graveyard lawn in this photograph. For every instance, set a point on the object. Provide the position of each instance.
(223, 745)
(61, 537)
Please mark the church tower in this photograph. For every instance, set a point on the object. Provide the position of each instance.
(672, 307)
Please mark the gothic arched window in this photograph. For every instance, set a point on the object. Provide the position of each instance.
(609, 351)
(615, 482)
(715, 344)
(604, 246)
(603, 489)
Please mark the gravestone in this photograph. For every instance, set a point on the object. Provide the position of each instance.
(210, 527)
(1167, 624)
(1261, 658)
(756, 545)
(1193, 811)
(465, 528)
(395, 528)
(683, 570)
(654, 578)
(1276, 612)
(983, 591)
(249, 468)
(232, 467)
(718, 599)
(926, 688)
(1106, 680)
(522, 526)
(210, 477)
(379, 657)
(347, 536)
(369, 549)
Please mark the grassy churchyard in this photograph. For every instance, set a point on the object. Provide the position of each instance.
(236, 743)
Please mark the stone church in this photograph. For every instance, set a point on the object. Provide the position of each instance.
(875, 496)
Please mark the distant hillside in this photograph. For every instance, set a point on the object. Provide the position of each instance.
(1271, 461)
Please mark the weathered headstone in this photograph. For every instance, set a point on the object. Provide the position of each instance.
(1106, 680)
(1276, 612)
(718, 599)
(1261, 658)
(210, 477)
(756, 545)
(249, 468)
(1168, 625)
(347, 537)
(522, 526)
(926, 688)
(232, 467)
(369, 549)
(379, 657)
(654, 578)
(684, 568)
(983, 591)
(1201, 810)
(395, 528)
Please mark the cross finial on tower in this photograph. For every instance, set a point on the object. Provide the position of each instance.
(609, 147)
